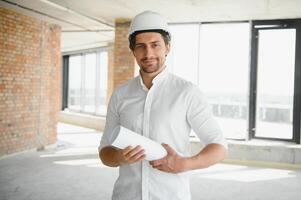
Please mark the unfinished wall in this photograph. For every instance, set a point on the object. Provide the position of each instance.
(124, 61)
(30, 82)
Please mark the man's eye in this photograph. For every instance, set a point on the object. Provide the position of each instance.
(138, 46)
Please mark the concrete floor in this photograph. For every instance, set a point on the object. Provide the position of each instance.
(72, 170)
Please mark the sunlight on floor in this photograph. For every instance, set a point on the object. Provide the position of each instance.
(244, 173)
(76, 151)
(81, 162)
(78, 144)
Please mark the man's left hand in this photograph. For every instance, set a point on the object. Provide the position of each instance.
(171, 163)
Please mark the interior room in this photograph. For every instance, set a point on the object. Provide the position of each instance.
(61, 61)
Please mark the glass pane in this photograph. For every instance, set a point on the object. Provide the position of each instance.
(275, 87)
(74, 82)
(224, 57)
(183, 58)
(103, 83)
(90, 76)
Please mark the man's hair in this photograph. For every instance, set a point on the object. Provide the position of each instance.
(165, 35)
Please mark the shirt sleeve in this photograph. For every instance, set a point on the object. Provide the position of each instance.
(201, 119)
(112, 123)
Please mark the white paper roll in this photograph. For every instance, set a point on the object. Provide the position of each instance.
(126, 137)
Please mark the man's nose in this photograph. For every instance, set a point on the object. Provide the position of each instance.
(148, 51)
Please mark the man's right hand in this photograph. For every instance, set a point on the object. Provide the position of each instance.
(114, 157)
(131, 155)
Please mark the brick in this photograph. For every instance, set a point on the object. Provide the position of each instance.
(30, 71)
(123, 66)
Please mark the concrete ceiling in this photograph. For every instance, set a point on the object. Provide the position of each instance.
(90, 23)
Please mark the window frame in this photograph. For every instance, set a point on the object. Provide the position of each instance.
(65, 81)
(268, 25)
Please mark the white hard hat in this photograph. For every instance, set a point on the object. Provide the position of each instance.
(148, 20)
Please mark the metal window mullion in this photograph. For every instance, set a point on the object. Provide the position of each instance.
(83, 80)
(297, 87)
(253, 82)
(97, 81)
(65, 82)
(248, 102)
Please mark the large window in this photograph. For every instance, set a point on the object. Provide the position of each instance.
(102, 83)
(87, 82)
(275, 98)
(275, 74)
(224, 50)
(89, 92)
(75, 82)
(211, 55)
(250, 74)
(183, 58)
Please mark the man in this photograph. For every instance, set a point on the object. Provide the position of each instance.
(164, 108)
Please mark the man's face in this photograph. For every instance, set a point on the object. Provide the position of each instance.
(150, 51)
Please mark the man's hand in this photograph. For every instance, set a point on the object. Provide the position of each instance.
(131, 155)
(172, 162)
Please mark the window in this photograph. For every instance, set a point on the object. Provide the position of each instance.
(183, 58)
(87, 82)
(211, 56)
(75, 81)
(275, 98)
(224, 50)
(275, 86)
(103, 83)
(249, 72)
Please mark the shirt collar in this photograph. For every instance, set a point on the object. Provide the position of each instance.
(141, 83)
(161, 76)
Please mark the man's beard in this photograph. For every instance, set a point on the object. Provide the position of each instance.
(151, 68)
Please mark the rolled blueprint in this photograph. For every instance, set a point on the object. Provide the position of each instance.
(126, 137)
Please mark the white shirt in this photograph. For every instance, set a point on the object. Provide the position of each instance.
(166, 113)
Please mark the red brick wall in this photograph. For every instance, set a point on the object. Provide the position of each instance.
(30, 82)
(124, 61)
